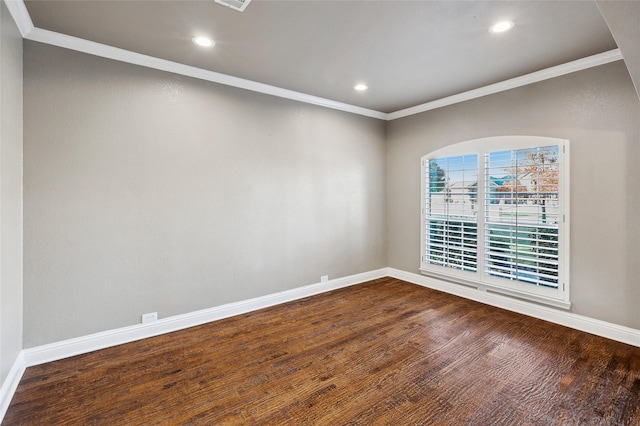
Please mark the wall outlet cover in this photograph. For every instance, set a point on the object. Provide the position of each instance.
(324, 278)
(153, 316)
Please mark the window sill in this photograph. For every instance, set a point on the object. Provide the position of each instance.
(484, 287)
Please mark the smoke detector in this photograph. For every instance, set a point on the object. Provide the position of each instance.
(240, 5)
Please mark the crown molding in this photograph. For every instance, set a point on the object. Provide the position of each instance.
(534, 77)
(21, 16)
(105, 51)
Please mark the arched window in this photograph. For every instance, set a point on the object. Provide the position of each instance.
(495, 215)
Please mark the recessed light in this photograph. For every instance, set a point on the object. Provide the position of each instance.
(501, 27)
(203, 41)
(360, 87)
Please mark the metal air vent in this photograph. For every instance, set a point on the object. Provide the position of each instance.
(240, 5)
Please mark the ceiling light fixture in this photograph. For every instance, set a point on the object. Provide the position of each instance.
(203, 41)
(360, 87)
(501, 27)
(240, 5)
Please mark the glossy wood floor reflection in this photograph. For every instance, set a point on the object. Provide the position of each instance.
(383, 352)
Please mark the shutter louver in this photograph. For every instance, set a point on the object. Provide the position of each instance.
(522, 214)
(451, 212)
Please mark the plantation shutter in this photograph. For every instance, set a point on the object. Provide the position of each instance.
(451, 212)
(522, 215)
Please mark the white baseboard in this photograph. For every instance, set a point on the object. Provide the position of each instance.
(611, 331)
(92, 342)
(85, 344)
(10, 384)
(67, 348)
(80, 345)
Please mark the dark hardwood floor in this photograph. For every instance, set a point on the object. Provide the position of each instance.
(383, 352)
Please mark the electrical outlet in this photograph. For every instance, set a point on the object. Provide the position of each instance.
(153, 316)
(324, 278)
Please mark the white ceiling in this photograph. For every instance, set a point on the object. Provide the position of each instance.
(408, 52)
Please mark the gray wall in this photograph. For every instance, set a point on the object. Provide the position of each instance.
(10, 192)
(599, 112)
(623, 19)
(147, 191)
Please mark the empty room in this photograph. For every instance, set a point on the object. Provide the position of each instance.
(318, 212)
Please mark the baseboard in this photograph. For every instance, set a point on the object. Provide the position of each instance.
(10, 384)
(568, 319)
(89, 343)
(67, 348)
(81, 345)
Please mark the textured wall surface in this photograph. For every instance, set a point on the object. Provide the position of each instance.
(10, 192)
(623, 19)
(598, 111)
(147, 191)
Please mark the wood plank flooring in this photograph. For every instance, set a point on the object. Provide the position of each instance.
(381, 353)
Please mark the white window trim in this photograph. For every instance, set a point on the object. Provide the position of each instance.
(559, 297)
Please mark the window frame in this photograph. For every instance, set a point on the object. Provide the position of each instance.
(558, 297)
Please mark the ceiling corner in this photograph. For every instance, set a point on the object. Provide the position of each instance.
(20, 15)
